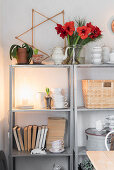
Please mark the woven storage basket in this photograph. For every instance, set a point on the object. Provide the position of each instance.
(98, 93)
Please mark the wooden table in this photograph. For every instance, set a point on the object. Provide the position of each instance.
(102, 160)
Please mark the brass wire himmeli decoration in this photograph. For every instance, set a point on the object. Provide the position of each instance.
(35, 26)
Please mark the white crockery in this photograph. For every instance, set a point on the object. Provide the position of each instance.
(99, 125)
(97, 61)
(56, 90)
(59, 105)
(97, 49)
(57, 145)
(58, 55)
(111, 56)
(95, 55)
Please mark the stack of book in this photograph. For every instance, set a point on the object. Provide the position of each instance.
(30, 137)
(56, 130)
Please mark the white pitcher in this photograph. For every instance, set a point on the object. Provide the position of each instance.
(58, 55)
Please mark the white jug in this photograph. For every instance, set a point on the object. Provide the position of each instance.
(58, 55)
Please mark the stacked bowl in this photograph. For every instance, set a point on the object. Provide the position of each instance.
(58, 98)
(96, 55)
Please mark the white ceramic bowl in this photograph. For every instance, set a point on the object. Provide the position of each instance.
(56, 90)
(97, 61)
(97, 50)
(96, 55)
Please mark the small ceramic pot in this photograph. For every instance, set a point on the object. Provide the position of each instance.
(22, 56)
(48, 100)
(37, 59)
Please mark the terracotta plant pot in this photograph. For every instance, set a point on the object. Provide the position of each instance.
(22, 56)
(37, 58)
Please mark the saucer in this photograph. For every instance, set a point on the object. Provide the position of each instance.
(60, 107)
(59, 151)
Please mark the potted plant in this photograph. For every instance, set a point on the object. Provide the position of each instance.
(85, 165)
(23, 53)
(48, 99)
(36, 57)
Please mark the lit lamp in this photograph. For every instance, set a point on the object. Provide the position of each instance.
(26, 98)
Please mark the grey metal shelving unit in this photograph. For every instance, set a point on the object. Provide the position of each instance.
(81, 151)
(14, 154)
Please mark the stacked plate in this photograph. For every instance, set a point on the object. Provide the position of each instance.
(111, 121)
(58, 98)
(96, 55)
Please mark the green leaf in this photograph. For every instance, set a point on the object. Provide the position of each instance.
(30, 53)
(47, 91)
(13, 51)
(35, 51)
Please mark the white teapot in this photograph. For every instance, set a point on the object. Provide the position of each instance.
(58, 55)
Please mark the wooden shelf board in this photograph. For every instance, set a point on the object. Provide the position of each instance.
(16, 153)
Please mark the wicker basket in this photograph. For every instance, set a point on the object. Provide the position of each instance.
(98, 93)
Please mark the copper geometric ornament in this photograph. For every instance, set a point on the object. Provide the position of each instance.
(33, 27)
(112, 26)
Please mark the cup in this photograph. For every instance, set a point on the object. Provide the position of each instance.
(96, 60)
(99, 125)
(56, 90)
(111, 56)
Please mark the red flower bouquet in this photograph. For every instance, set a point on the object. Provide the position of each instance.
(81, 34)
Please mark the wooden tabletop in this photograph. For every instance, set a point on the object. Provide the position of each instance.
(102, 160)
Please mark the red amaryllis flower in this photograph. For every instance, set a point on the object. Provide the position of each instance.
(69, 27)
(58, 28)
(83, 31)
(95, 32)
(63, 33)
(90, 25)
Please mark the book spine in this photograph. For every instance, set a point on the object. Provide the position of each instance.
(38, 137)
(44, 138)
(16, 139)
(41, 138)
(20, 139)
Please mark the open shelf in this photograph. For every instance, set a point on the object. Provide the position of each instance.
(16, 153)
(41, 110)
(82, 151)
(82, 108)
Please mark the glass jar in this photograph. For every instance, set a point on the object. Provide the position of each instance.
(75, 55)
